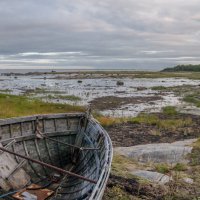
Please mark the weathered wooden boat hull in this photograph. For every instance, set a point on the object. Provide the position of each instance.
(19, 135)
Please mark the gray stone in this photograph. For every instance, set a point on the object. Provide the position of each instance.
(170, 153)
(152, 176)
(188, 180)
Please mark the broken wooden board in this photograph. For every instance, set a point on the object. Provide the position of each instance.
(11, 176)
(35, 191)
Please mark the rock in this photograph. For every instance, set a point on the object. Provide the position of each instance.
(141, 88)
(120, 83)
(171, 153)
(188, 180)
(152, 176)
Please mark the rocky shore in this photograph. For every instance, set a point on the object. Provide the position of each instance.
(155, 166)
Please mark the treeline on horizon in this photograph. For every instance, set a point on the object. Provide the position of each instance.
(186, 68)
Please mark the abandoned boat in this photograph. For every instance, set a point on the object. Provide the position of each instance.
(60, 156)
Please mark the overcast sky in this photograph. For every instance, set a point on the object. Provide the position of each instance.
(122, 34)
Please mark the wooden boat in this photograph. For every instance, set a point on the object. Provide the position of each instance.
(61, 156)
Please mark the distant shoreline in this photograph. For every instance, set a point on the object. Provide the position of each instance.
(95, 74)
(72, 70)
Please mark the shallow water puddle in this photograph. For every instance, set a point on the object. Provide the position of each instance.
(51, 89)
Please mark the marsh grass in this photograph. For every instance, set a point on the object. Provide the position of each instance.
(189, 75)
(110, 121)
(195, 154)
(37, 90)
(14, 106)
(159, 88)
(144, 118)
(169, 110)
(65, 97)
(180, 167)
(193, 98)
(118, 193)
(162, 168)
(161, 124)
(121, 166)
(165, 168)
(171, 122)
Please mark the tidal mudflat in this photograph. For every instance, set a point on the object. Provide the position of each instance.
(110, 96)
(151, 111)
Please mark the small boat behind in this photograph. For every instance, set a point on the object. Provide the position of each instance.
(60, 156)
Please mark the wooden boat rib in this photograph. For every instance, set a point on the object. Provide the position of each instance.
(69, 155)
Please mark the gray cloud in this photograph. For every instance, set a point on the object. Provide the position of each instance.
(99, 34)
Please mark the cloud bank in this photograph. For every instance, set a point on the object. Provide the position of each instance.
(122, 34)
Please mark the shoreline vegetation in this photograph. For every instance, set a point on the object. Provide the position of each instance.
(169, 125)
(171, 121)
(179, 71)
(15, 106)
(183, 68)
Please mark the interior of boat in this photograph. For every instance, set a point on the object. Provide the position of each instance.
(63, 156)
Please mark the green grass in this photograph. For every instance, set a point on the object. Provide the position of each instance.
(180, 167)
(189, 75)
(159, 88)
(162, 168)
(161, 124)
(169, 110)
(14, 106)
(65, 97)
(171, 122)
(120, 165)
(195, 154)
(144, 118)
(40, 91)
(193, 98)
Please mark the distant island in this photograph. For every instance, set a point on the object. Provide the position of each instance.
(181, 68)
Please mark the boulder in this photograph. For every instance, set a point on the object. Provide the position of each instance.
(170, 153)
(152, 176)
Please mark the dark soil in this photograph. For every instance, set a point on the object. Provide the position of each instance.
(113, 102)
(132, 187)
(129, 134)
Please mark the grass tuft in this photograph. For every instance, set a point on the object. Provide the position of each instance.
(195, 154)
(65, 97)
(180, 167)
(161, 124)
(169, 110)
(118, 193)
(110, 121)
(159, 88)
(14, 106)
(121, 165)
(162, 168)
(149, 119)
(193, 98)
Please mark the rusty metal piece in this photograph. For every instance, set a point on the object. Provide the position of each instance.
(48, 165)
(35, 190)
